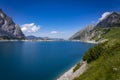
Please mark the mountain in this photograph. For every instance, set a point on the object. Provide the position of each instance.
(83, 34)
(97, 32)
(57, 39)
(8, 29)
(31, 37)
(110, 20)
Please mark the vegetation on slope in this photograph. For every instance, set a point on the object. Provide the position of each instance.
(104, 59)
(106, 33)
(94, 53)
(77, 67)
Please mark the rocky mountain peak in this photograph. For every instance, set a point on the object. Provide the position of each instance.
(117, 13)
(8, 29)
(111, 20)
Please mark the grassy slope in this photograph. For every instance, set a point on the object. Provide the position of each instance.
(106, 33)
(106, 66)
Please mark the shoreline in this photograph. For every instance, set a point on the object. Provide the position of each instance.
(69, 75)
(29, 40)
(93, 42)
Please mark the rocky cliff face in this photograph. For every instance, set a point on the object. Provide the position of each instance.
(83, 34)
(8, 29)
(102, 27)
(111, 20)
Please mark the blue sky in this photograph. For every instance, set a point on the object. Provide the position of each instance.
(56, 18)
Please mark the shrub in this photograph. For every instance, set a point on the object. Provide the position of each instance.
(77, 67)
(94, 53)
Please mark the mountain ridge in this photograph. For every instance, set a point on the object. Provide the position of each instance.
(112, 19)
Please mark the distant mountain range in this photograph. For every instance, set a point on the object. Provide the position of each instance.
(8, 29)
(97, 32)
(31, 37)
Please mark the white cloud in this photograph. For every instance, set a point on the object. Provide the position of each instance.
(28, 28)
(54, 32)
(104, 15)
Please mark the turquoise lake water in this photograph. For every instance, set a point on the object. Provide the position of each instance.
(39, 60)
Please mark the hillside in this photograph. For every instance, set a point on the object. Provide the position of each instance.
(8, 29)
(103, 60)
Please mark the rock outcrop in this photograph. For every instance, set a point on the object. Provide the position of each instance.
(8, 29)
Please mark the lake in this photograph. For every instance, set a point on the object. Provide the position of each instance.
(39, 60)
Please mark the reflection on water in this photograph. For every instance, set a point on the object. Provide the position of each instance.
(38, 60)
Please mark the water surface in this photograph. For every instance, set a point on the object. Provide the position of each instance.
(38, 60)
